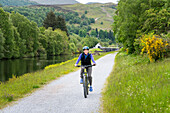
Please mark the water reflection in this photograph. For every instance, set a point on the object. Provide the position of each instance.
(19, 67)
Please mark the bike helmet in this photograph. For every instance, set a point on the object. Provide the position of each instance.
(85, 48)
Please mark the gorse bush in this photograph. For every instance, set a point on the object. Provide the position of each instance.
(153, 46)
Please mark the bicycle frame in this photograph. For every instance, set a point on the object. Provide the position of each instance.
(85, 80)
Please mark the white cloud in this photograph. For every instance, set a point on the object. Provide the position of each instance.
(101, 1)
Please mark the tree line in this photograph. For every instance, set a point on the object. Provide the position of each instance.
(38, 14)
(136, 18)
(17, 2)
(20, 37)
(75, 23)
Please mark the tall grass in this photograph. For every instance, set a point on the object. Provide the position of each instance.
(18, 87)
(137, 86)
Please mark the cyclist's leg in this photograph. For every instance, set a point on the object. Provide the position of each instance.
(89, 71)
(81, 72)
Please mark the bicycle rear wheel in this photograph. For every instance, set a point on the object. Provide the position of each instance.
(84, 87)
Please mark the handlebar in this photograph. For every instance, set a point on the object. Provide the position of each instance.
(85, 66)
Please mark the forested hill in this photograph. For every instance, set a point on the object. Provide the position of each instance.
(16, 2)
(53, 2)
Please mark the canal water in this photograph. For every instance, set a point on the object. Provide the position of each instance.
(19, 67)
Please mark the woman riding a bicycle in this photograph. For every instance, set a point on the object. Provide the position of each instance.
(86, 59)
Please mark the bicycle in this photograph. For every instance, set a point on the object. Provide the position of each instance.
(85, 80)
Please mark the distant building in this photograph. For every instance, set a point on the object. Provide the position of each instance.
(98, 46)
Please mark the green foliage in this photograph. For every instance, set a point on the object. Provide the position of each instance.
(54, 2)
(8, 33)
(73, 47)
(83, 33)
(90, 41)
(50, 21)
(61, 24)
(137, 86)
(85, 12)
(20, 37)
(2, 41)
(41, 15)
(17, 2)
(93, 33)
(29, 33)
(76, 40)
(137, 17)
(55, 42)
(83, 16)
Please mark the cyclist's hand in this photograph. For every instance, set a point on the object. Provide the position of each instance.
(75, 65)
(94, 64)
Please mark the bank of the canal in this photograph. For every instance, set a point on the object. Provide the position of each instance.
(18, 67)
(18, 87)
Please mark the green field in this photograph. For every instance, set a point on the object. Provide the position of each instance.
(137, 86)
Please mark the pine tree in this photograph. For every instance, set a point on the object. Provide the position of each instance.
(61, 24)
(97, 32)
(50, 21)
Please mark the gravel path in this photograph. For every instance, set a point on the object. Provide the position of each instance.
(65, 95)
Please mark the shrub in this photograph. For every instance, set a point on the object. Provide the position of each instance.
(153, 46)
(9, 97)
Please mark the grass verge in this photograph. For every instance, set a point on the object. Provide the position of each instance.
(18, 87)
(136, 86)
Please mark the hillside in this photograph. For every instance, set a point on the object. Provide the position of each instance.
(93, 3)
(81, 19)
(54, 2)
(101, 12)
(16, 2)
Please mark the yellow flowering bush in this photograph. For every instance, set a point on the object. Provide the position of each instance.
(153, 46)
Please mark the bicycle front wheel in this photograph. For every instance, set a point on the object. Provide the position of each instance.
(85, 87)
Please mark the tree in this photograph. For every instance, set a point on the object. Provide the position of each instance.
(50, 21)
(148, 16)
(101, 34)
(55, 42)
(2, 41)
(17, 42)
(8, 33)
(29, 33)
(85, 12)
(97, 32)
(61, 24)
(73, 47)
(93, 33)
(83, 16)
(92, 20)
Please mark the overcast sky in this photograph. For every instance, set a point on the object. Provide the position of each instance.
(102, 1)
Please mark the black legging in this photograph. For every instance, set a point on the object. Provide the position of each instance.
(89, 71)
